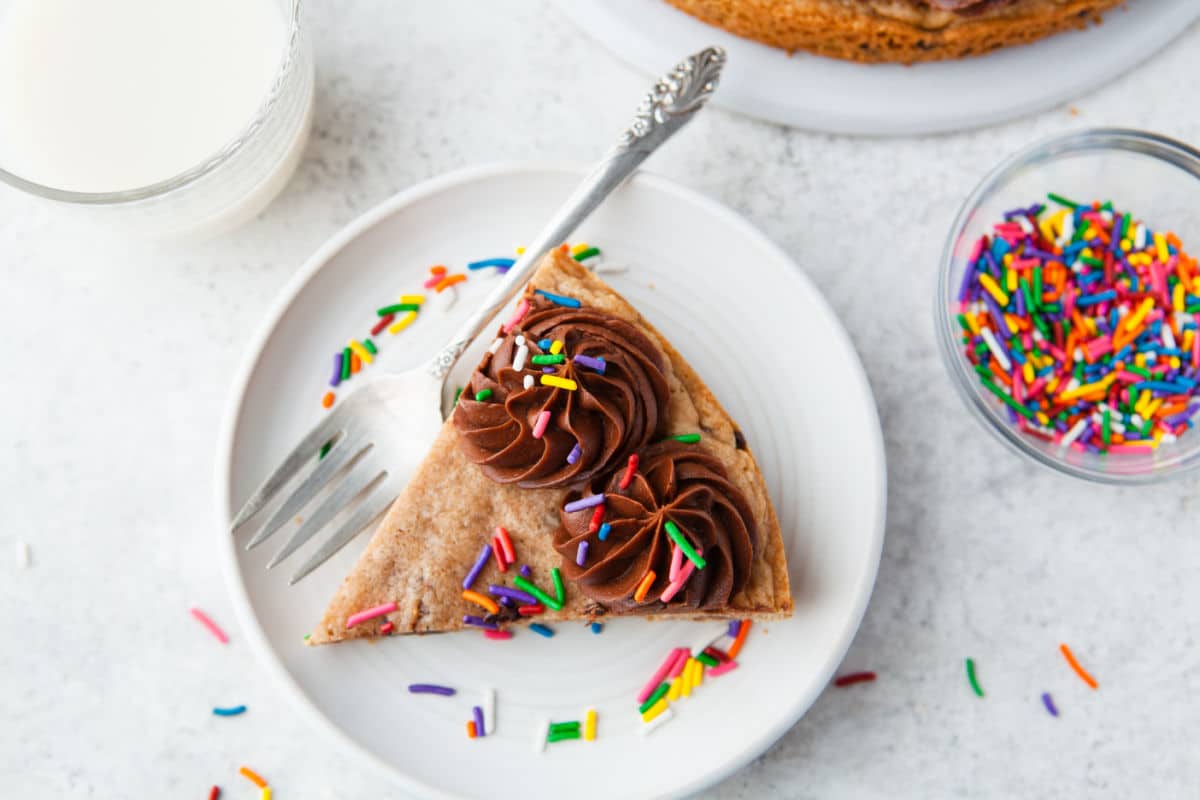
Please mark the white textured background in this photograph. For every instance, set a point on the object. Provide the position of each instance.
(117, 359)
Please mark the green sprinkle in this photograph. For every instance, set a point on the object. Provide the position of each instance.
(560, 727)
(707, 660)
(559, 591)
(545, 599)
(654, 698)
(306, 636)
(962, 320)
(325, 450)
(1037, 286)
(483, 394)
(1125, 220)
(1136, 370)
(346, 354)
(983, 370)
(541, 360)
(686, 438)
(586, 254)
(1193, 309)
(457, 394)
(367, 343)
(1106, 428)
(677, 537)
(1091, 261)
(397, 308)
(1147, 428)
(971, 677)
(558, 737)
(1003, 395)
(1041, 325)
(1062, 201)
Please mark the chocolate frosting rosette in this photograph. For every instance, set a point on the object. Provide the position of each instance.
(566, 395)
(672, 492)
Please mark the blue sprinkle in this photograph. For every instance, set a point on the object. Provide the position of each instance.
(492, 262)
(540, 629)
(229, 712)
(1096, 299)
(597, 627)
(604, 530)
(1159, 386)
(569, 302)
(545, 344)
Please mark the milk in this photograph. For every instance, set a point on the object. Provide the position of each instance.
(110, 95)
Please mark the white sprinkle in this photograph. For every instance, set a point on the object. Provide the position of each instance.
(606, 269)
(1139, 238)
(1073, 434)
(528, 381)
(519, 359)
(495, 345)
(1169, 438)
(1137, 420)
(708, 638)
(520, 341)
(1068, 228)
(994, 346)
(543, 733)
(489, 710)
(1024, 223)
(1168, 337)
(1078, 354)
(656, 723)
(23, 555)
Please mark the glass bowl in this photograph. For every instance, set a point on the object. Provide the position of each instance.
(1155, 178)
(226, 188)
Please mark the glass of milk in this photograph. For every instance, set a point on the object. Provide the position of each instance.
(162, 118)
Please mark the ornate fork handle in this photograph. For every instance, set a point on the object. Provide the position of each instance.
(671, 104)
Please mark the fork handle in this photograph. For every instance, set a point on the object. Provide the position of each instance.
(670, 105)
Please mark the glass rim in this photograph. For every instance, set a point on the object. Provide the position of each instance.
(194, 173)
(1145, 143)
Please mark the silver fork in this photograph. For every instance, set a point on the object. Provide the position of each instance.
(380, 433)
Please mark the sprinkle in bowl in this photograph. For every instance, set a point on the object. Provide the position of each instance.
(1067, 301)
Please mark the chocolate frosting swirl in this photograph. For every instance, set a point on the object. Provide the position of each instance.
(610, 415)
(682, 483)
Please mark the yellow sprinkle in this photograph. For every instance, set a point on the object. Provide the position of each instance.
(1011, 322)
(556, 347)
(1008, 259)
(1175, 362)
(993, 288)
(1137, 317)
(361, 352)
(589, 725)
(1091, 325)
(1126, 245)
(1047, 231)
(520, 251)
(1160, 245)
(698, 673)
(676, 688)
(1177, 297)
(686, 688)
(579, 248)
(1087, 251)
(1042, 418)
(1027, 371)
(1188, 336)
(1011, 280)
(1158, 434)
(1056, 219)
(1196, 285)
(412, 298)
(561, 383)
(266, 793)
(1099, 387)
(656, 709)
(1151, 407)
(402, 323)
(1051, 385)
(972, 323)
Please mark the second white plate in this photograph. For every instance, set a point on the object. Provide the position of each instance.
(770, 348)
(888, 99)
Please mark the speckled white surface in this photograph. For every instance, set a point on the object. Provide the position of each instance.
(117, 359)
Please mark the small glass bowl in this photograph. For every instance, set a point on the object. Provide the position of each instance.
(1151, 176)
(225, 189)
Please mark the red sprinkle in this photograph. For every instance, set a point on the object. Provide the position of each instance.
(717, 653)
(506, 544)
(386, 628)
(529, 611)
(597, 519)
(383, 323)
(214, 793)
(630, 471)
(499, 554)
(498, 634)
(853, 678)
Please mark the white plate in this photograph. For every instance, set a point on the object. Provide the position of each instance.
(888, 99)
(770, 348)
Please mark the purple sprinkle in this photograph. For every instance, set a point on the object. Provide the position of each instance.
(1048, 703)
(548, 370)
(337, 369)
(586, 502)
(478, 713)
(515, 594)
(597, 364)
(581, 554)
(507, 601)
(430, 688)
(968, 274)
(525, 571)
(1020, 298)
(735, 627)
(479, 622)
(575, 453)
(478, 568)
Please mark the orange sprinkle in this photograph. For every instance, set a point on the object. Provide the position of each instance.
(355, 363)
(471, 734)
(565, 248)
(437, 269)
(644, 586)
(736, 647)
(480, 600)
(254, 777)
(1080, 671)
(328, 399)
(448, 281)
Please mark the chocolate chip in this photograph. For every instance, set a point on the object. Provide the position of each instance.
(739, 441)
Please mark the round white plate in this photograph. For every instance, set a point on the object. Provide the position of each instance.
(769, 347)
(887, 99)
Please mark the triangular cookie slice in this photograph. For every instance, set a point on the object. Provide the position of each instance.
(611, 468)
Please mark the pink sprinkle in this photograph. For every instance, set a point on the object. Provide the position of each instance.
(1099, 347)
(1196, 351)
(518, 315)
(212, 626)
(539, 427)
(680, 663)
(721, 669)
(370, 613)
(1128, 448)
(677, 584)
(676, 563)
(434, 281)
(498, 634)
(659, 674)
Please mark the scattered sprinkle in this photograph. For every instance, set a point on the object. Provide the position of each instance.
(504, 263)
(386, 628)
(585, 502)
(597, 364)
(498, 635)
(971, 677)
(526, 571)
(659, 720)
(661, 673)
(370, 613)
(721, 669)
(686, 438)
(740, 640)
(402, 323)
(229, 712)
(479, 622)
(597, 627)
(483, 394)
(541, 630)
(1048, 702)
(430, 688)
(254, 777)
(630, 471)
(569, 302)
(681, 541)
(472, 729)
(1079, 670)
(543, 421)
(485, 602)
(477, 567)
(477, 713)
(559, 383)
(327, 399)
(581, 553)
(214, 793)
(843, 681)
(575, 453)
(644, 587)
(586, 253)
(589, 725)
(605, 529)
(208, 623)
(506, 545)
